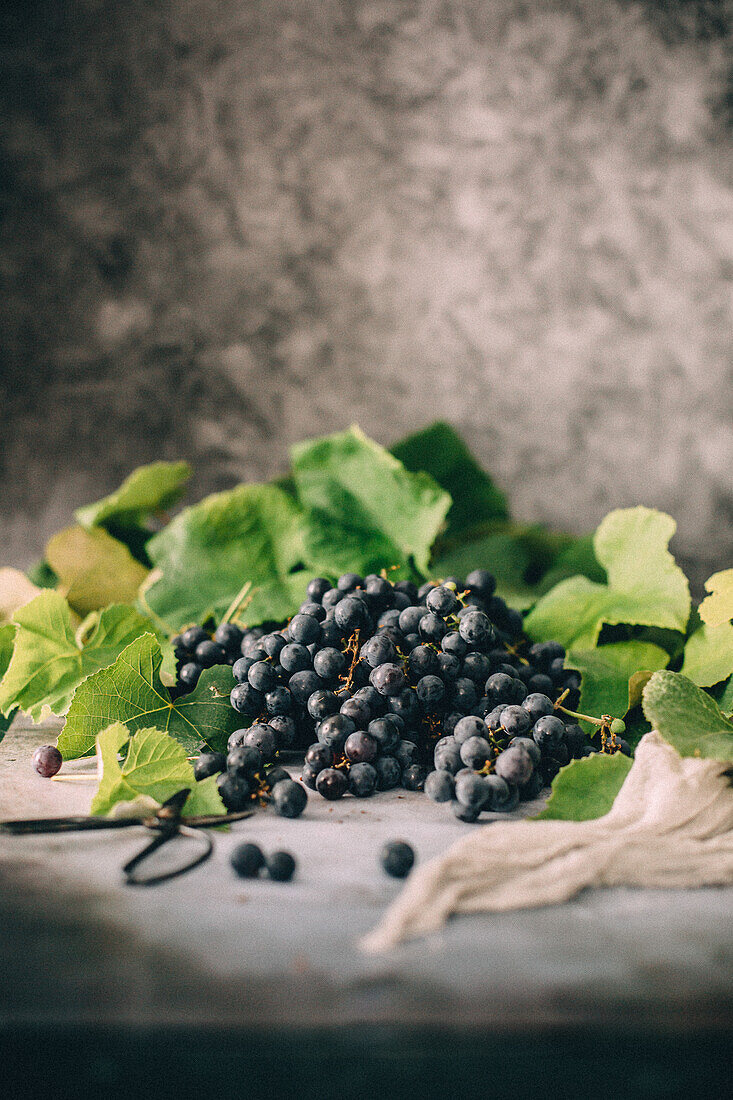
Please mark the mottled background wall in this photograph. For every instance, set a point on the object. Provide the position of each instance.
(229, 224)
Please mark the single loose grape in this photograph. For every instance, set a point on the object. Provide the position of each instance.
(47, 760)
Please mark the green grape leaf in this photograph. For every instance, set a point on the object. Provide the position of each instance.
(155, 765)
(717, 608)
(586, 788)
(50, 658)
(94, 569)
(645, 586)
(366, 511)
(148, 491)
(687, 717)
(130, 691)
(438, 450)
(709, 655)
(606, 674)
(205, 556)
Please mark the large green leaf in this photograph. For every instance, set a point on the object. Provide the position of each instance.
(717, 608)
(50, 660)
(130, 691)
(94, 569)
(709, 655)
(586, 788)
(606, 672)
(203, 558)
(687, 717)
(645, 586)
(440, 452)
(366, 511)
(155, 765)
(148, 491)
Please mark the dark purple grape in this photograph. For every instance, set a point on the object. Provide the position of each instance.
(388, 679)
(47, 760)
(389, 773)
(362, 779)
(360, 748)
(332, 784)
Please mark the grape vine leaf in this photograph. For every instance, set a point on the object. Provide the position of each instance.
(687, 717)
(131, 691)
(50, 659)
(645, 585)
(94, 569)
(365, 510)
(606, 672)
(209, 551)
(149, 490)
(438, 450)
(717, 608)
(709, 655)
(586, 788)
(155, 765)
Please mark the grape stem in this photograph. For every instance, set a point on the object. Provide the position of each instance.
(605, 720)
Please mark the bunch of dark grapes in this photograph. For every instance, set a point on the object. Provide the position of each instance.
(196, 649)
(385, 682)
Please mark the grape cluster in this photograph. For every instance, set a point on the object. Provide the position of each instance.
(196, 649)
(247, 775)
(370, 675)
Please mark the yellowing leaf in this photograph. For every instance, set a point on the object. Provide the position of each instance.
(709, 655)
(717, 608)
(94, 569)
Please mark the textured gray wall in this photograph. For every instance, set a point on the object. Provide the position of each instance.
(227, 225)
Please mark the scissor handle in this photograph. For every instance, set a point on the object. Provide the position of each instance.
(164, 836)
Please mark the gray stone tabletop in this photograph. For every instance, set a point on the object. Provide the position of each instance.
(78, 945)
(209, 986)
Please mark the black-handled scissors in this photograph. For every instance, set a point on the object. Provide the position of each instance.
(167, 823)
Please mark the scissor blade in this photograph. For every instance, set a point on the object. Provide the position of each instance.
(65, 824)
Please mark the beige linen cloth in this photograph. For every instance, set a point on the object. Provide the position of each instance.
(671, 825)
